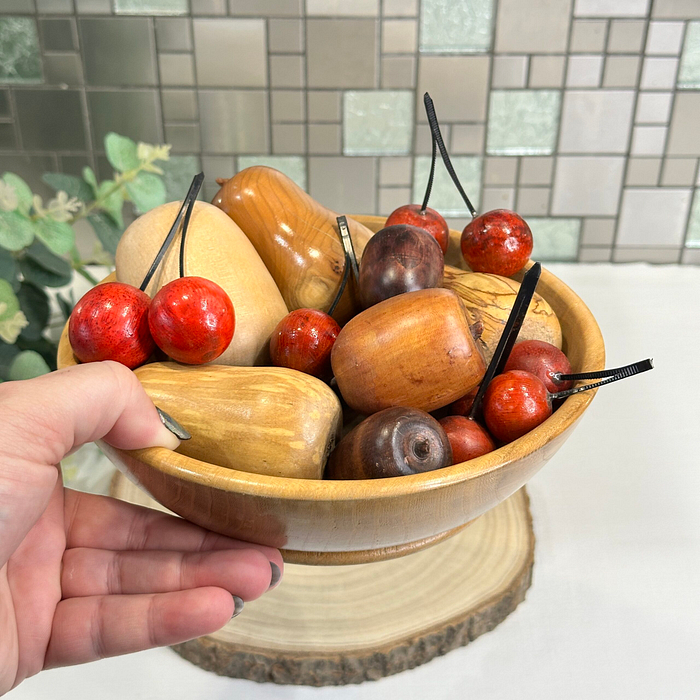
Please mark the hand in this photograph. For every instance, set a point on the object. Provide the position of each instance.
(84, 577)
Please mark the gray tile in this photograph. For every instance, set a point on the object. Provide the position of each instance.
(587, 185)
(584, 71)
(130, 113)
(179, 105)
(621, 71)
(533, 201)
(173, 34)
(93, 7)
(643, 171)
(676, 9)
(457, 84)
(399, 35)
(208, 7)
(659, 73)
(497, 198)
(230, 52)
(324, 139)
(648, 140)
(58, 34)
(73, 165)
(341, 53)
(21, 58)
(500, 171)
(266, 8)
(626, 35)
(324, 105)
(536, 170)
(445, 197)
(598, 232)
(287, 71)
(509, 72)
(547, 71)
(5, 109)
(539, 26)
(345, 185)
(468, 138)
(595, 254)
(340, 8)
(118, 51)
(234, 121)
(63, 69)
(596, 121)
(218, 166)
(653, 217)
(391, 198)
(588, 36)
(176, 69)
(611, 8)
(288, 106)
(178, 172)
(398, 71)
(395, 170)
(664, 38)
(30, 169)
(286, 35)
(456, 26)
(424, 139)
(151, 7)
(400, 8)
(294, 167)
(184, 138)
(18, 6)
(663, 255)
(8, 139)
(684, 138)
(288, 138)
(50, 120)
(679, 172)
(55, 7)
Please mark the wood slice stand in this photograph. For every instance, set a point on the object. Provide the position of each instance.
(333, 625)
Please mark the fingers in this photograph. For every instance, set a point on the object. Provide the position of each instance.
(92, 572)
(86, 629)
(99, 522)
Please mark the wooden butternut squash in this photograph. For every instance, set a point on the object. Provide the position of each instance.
(215, 248)
(267, 420)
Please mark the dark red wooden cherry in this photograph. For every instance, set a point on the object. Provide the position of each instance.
(303, 340)
(192, 320)
(110, 322)
(467, 438)
(461, 407)
(542, 359)
(427, 219)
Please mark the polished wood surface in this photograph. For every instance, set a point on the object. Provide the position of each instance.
(296, 237)
(267, 420)
(414, 350)
(347, 624)
(216, 249)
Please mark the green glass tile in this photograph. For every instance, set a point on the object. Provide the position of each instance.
(693, 239)
(19, 51)
(689, 71)
(294, 167)
(523, 122)
(178, 172)
(445, 197)
(377, 122)
(456, 26)
(555, 239)
(151, 7)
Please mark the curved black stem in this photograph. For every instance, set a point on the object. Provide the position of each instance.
(348, 246)
(429, 187)
(185, 226)
(437, 136)
(626, 371)
(642, 366)
(341, 289)
(190, 197)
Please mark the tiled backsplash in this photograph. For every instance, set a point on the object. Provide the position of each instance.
(583, 115)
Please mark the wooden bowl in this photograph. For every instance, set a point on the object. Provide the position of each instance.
(348, 522)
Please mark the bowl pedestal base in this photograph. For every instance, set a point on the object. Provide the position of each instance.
(333, 625)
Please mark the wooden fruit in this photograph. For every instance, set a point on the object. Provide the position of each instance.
(267, 420)
(296, 237)
(394, 442)
(413, 350)
(216, 249)
(489, 299)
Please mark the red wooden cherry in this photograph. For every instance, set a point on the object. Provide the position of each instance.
(110, 322)
(515, 403)
(192, 320)
(461, 407)
(429, 220)
(499, 242)
(303, 340)
(541, 359)
(467, 438)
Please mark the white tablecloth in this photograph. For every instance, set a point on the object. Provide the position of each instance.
(614, 607)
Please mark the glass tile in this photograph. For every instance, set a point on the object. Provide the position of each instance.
(294, 167)
(554, 239)
(151, 7)
(689, 72)
(523, 122)
(178, 172)
(456, 26)
(445, 198)
(19, 51)
(693, 239)
(377, 122)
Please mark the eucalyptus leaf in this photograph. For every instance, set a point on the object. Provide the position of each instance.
(9, 269)
(8, 352)
(57, 236)
(71, 185)
(146, 191)
(9, 303)
(121, 152)
(16, 230)
(47, 349)
(34, 272)
(89, 177)
(114, 203)
(27, 365)
(35, 305)
(22, 190)
(38, 252)
(106, 230)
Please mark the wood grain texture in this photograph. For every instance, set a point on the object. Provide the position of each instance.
(216, 249)
(349, 624)
(267, 420)
(296, 237)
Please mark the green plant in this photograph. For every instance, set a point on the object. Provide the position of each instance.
(38, 251)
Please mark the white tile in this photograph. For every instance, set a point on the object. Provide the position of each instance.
(611, 8)
(653, 107)
(400, 8)
(399, 35)
(648, 140)
(342, 8)
(654, 217)
(584, 71)
(596, 121)
(659, 73)
(497, 198)
(509, 71)
(664, 38)
(587, 185)
(536, 26)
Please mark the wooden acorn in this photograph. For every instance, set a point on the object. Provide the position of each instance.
(394, 442)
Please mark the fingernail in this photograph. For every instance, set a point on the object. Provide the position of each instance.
(276, 574)
(238, 606)
(172, 425)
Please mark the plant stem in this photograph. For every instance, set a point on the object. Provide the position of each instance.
(84, 273)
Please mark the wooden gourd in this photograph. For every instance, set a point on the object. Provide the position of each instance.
(296, 237)
(414, 350)
(267, 420)
(216, 249)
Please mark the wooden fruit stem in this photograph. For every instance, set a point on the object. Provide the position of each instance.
(185, 226)
(437, 138)
(621, 373)
(429, 187)
(189, 200)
